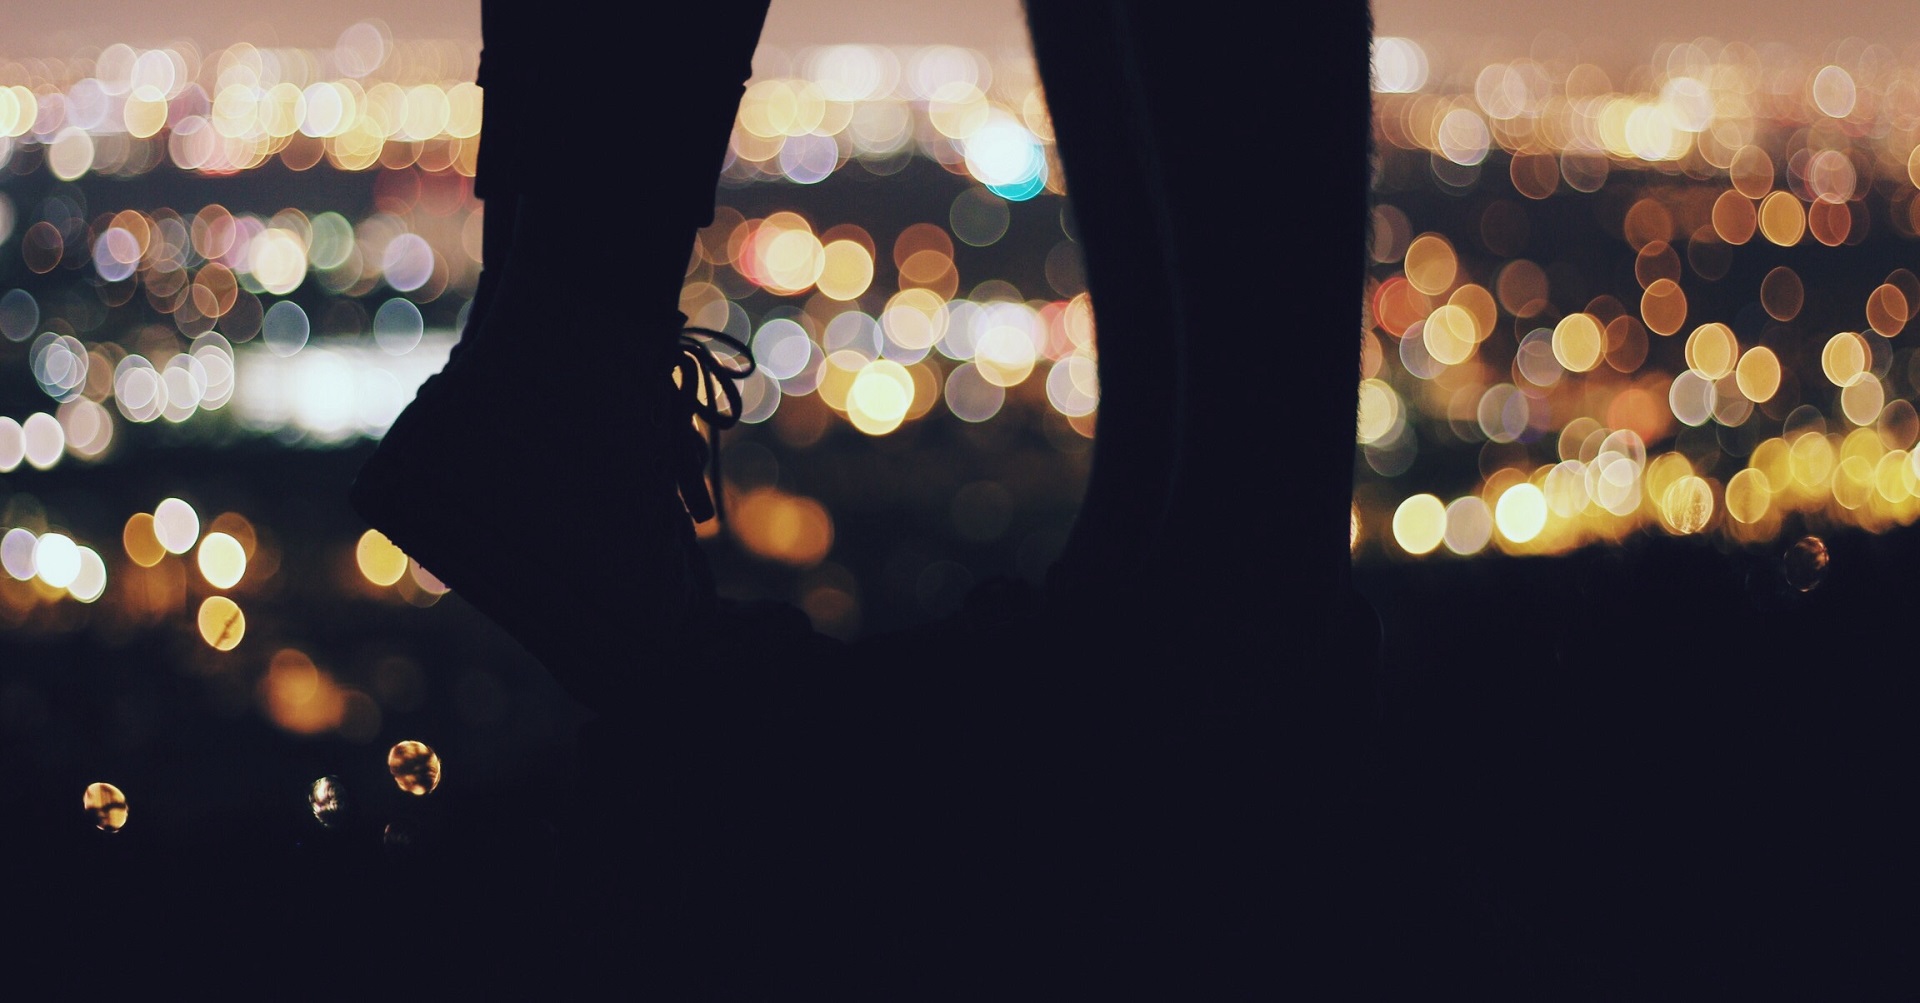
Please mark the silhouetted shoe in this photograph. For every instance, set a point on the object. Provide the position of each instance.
(564, 511)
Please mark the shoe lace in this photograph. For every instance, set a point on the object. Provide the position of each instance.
(703, 382)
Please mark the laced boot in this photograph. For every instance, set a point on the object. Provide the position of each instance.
(551, 476)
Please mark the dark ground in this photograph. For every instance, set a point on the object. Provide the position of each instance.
(1637, 774)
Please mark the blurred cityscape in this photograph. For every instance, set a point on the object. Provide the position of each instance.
(1671, 303)
(224, 273)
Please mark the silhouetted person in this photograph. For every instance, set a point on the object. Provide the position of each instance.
(1146, 779)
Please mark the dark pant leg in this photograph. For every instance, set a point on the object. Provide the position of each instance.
(1240, 168)
(594, 114)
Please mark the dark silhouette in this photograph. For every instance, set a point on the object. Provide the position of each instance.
(1141, 775)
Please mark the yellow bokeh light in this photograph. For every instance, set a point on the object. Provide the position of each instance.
(1758, 374)
(1430, 264)
(787, 528)
(1810, 461)
(1578, 342)
(1749, 495)
(1480, 305)
(1751, 172)
(1853, 483)
(142, 546)
(1862, 399)
(1845, 358)
(299, 697)
(221, 622)
(106, 804)
(1686, 506)
(915, 318)
(222, 560)
(846, 271)
(415, 767)
(379, 560)
(1887, 310)
(1450, 334)
(1663, 306)
(1521, 513)
(145, 114)
(1712, 350)
(278, 260)
(881, 396)
(1379, 411)
(1783, 220)
(791, 261)
(1420, 524)
(1893, 477)
(1005, 355)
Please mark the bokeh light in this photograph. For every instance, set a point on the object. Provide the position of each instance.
(105, 805)
(415, 767)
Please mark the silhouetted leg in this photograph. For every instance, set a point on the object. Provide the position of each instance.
(540, 475)
(1237, 159)
(1124, 243)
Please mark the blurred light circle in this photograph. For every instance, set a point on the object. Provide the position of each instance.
(808, 158)
(285, 328)
(1419, 524)
(407, 262)
(19, 315)
(106, 805)
(1004, 355)
(56, 559)
(1464, 137)
(215, 357)
(782, 348)
(1521, 513)
(60, 363)
(759, 397)
(881, 396)
(846, 271)
(176, 525)
(71, 153)
(16, 553)
(91, 582)
(184, 380)
(221, 623)
(979, 217)
(379, 559)
(1399, 65)
(116, 254)
(971, 396)
(1073, 385)
(1379, 411)
(1691, 398)
(89, 427)
(415, 767)
(1006, 158)
(1469, 525)
(42, 440)
(138, 539)
(398, 326)
(13, 444)
(277, 259)
(327, 798)
(137, 390)
(1805, 563)
(222, 560)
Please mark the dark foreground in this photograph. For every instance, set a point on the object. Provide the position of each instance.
(1654, 772)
